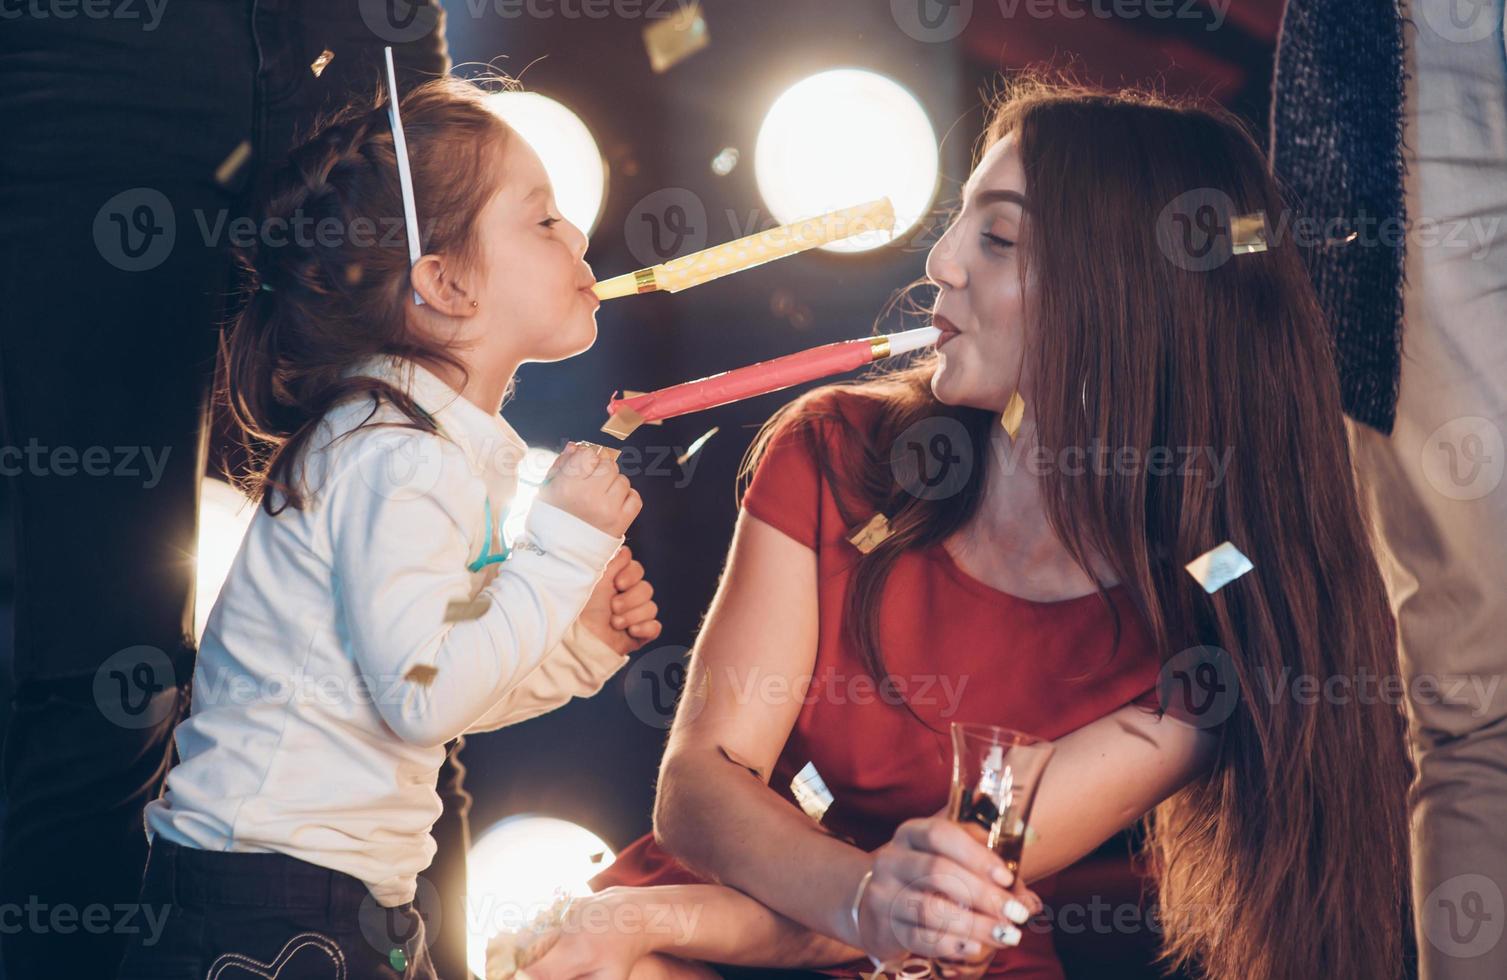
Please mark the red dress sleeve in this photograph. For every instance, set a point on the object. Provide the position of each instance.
(786, 490)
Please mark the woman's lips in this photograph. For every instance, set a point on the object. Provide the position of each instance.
(949, 330)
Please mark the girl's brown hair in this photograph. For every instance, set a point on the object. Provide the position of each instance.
(328, 279)
(1288, 859)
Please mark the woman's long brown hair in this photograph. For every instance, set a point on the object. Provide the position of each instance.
(322, 300)
(1288, 859)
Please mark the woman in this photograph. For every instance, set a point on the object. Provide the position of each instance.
(1048, 589)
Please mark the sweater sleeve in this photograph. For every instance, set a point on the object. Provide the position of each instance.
(577, 668)
(399, 552)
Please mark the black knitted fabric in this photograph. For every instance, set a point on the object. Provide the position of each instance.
(1337, 150)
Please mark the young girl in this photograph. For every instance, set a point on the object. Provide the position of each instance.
(374, 612)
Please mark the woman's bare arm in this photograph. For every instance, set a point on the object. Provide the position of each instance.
(714, 808)
(1106, 775)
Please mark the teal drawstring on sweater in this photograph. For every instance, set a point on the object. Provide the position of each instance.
(486, 557)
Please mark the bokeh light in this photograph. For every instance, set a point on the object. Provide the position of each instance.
(516, 867)
(570, 153)
(845, 137)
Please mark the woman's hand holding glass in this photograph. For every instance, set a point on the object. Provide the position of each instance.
(938, 892)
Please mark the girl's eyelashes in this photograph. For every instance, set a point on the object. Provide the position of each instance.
(997, 241)
(550, 222)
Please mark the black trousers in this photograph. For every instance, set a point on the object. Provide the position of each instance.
(114, 282)
(204, 913)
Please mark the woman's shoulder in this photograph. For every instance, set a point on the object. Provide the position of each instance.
(809, 467)
(846, 415)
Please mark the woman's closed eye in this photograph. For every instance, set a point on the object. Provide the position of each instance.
(997, 241)
(550, 222)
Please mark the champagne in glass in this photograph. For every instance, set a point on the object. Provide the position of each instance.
(995, 772)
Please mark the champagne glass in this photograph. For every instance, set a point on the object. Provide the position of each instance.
(995, 772)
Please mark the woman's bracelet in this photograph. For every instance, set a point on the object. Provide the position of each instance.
(863, 886)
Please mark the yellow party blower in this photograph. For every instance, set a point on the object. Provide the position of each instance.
(746, 253)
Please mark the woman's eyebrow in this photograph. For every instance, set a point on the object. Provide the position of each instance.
(1002, 196)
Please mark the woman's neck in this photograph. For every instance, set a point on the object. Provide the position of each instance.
(1008, 543)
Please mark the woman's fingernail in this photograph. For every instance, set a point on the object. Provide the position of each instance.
(617, 622)
(1016, 912)
(1003, 876)
(1006, 935)
(970, 948)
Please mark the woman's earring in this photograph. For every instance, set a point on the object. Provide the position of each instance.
(1015, 413)
(474, 304)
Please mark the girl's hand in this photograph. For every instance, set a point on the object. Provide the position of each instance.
(938, 892)
(621, 610)
(593, 945)
(587, 486)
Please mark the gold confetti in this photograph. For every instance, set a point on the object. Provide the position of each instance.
(1014, 415)
(695, 447)
(869, 537)
(320, 63)
(1248, 233)
(1219, 567)
(421, 674)
(676, 38)
(226, 172)
(623, 423)
(602, 451)
(462, 610)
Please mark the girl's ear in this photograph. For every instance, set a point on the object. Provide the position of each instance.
(441, 291)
